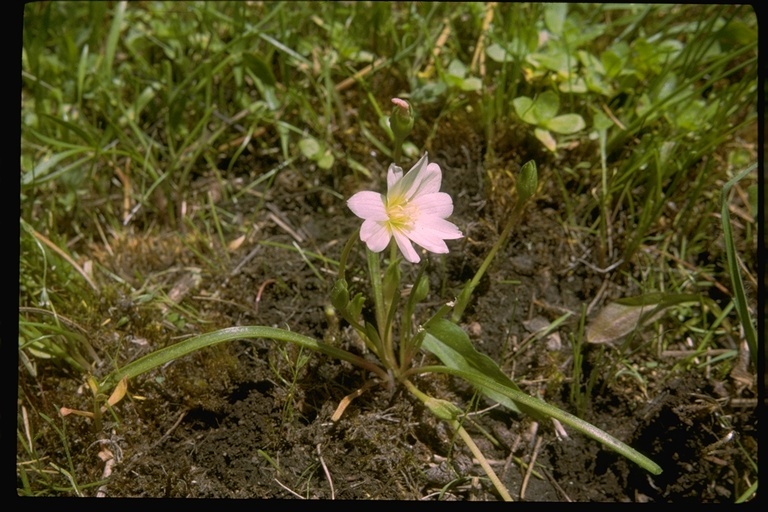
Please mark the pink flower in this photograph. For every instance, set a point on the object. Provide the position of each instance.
(413, 210)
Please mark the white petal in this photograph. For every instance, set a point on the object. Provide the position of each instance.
(375, 235)
(438, 204)
(368, 205)
(440, 227)
(409, 253)
(394, 174)
(428, 239)
(427, 181)
(423, 178)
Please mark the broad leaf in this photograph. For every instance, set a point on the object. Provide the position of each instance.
(497, 53)
(554, 16)
(566, 124)
(309, 147)
(449, 343)
(546, 105)
(523, 109)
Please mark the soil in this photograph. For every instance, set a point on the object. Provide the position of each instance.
(252, 419)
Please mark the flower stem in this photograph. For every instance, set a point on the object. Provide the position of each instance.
(385, 333)
(374, 269)
(466, 293)
(398, 149)
(391, 301)
(345, 253)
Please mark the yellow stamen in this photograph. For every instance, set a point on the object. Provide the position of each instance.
(401, 214)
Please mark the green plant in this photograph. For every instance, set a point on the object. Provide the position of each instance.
(542, 113)
(156, 136)
(412, 210)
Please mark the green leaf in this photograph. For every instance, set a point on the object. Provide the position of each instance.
(565, 124)
(340, 295)
(449, 343)
(325, 161)
(554, 17)
(546, 105)
(498, 53)
(173, 352)
(739, 296)
(600, 121)
(355, 306)
(457, 68)
(614, 59)
(471, 84)
(73, 127)
(737, 33)
(539, 110)
(574, 85)
(591, 62)
(544, 409)
(523, 109)
(50, 168)
(309, 147)
(554, 60)
(112, 41)
(577, 31)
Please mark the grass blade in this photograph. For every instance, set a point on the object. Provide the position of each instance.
(739, 297)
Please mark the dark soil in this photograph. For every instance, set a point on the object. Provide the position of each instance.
(252, 419)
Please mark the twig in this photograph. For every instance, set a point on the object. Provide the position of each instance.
(278, 218)
(170, 430)
(261, 290)
(598, 296)
(429, 69)
(127, 188)
(26, 428)
(327, 473)
(530, 467)
(289, 490)
(245, 260)
(609, 113)
(349, 82)
(479, 55)
(698, 353)
(557, 486)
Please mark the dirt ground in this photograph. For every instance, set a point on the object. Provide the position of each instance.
(251, 419)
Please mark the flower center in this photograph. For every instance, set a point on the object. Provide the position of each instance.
(401, 214)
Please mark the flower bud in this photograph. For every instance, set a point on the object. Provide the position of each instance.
(420, 289)
(401, 120)
(340, 295)
(528, 181)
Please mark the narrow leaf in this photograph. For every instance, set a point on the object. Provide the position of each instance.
(739, 296)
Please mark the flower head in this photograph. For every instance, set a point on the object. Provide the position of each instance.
(413, 210)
